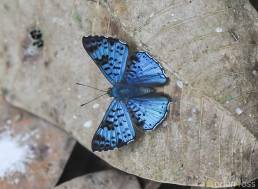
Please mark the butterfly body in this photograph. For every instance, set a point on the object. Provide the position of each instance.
(125, 91)
(135, 100)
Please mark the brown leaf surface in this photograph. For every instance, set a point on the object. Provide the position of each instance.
(34, 152)
(208, 48)
(102, 180)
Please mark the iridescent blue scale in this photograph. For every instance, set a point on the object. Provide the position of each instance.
(134, 98)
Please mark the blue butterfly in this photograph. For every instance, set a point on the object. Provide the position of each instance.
(134, 98)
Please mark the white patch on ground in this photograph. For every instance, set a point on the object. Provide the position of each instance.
(194, 110)
(254, 72)
(238, 111)
(219, 29)
(95, 106)
(87, 124)
(31, 51)
(180, 84)
(74, 117)
(190, 119)
(8, 122)
(58, 21)
(14, 155)
(16, 181)
(165, 123)
(27, 136)
(37, 136)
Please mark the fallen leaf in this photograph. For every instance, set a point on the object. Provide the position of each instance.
(33, 151)
(102, 180)
(209, 55)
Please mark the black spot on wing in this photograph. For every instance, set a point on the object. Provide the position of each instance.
(89, 44)
(112, 41)
(103, 60)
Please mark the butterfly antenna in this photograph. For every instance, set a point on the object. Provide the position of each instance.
(94, 99)
(90, 87)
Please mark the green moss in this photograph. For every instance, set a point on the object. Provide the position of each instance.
(224, 99)
(77, 18)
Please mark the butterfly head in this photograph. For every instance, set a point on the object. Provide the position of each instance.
(109, 92)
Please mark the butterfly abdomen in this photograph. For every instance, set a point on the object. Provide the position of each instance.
(129, 91)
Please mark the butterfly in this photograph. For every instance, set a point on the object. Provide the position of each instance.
(134, 98)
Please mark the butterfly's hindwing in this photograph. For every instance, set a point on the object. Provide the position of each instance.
(109, 54)
(115, 130)
(144, 70)
(148, 111)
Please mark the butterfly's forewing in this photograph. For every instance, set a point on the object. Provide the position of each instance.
(148, 112)
(109, 54)
(115, 130)
(144, 70)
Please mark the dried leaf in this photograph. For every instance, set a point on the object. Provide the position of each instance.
(102, 180)
(33, 152)
(209, 51)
